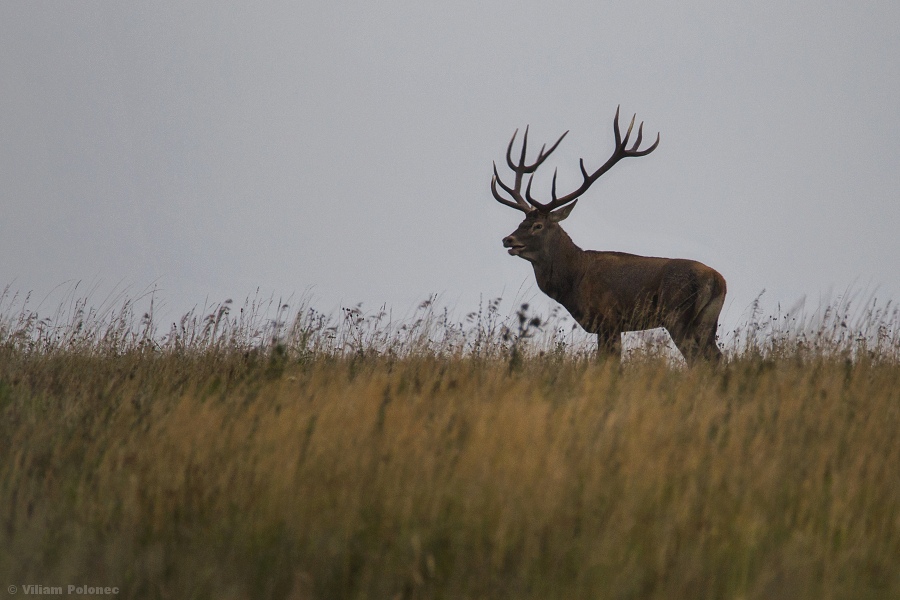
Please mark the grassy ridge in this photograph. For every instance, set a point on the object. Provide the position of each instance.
(208, 468)
(235, 476)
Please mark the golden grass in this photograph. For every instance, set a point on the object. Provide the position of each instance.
(227, 473)
(452, 478)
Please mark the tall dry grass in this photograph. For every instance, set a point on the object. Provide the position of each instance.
(291, 454)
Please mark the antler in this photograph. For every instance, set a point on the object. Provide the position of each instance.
(519, 202)
(527, 203)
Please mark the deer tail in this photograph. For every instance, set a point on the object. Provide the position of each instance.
(711, 300)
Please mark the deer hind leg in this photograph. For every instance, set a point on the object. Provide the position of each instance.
(698, 344)
(609, 345)
(686, 342)
(698, 340)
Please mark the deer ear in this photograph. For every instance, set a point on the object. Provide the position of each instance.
(561, 213)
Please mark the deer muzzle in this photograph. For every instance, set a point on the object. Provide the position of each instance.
(514, 246)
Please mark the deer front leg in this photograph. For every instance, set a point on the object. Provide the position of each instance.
(609, 345)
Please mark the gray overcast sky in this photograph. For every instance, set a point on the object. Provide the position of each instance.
(345, 147)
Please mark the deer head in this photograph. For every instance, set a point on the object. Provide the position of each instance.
(537, 234)
(535, 237)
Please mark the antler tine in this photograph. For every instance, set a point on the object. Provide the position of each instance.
(616, 127)
(518, 203)
(499, 181)
(528, 190)
(552, 148)
(501, 199)
(630, 127)
(524, 148)
(509, 150)
(640, 134)
(647, 151)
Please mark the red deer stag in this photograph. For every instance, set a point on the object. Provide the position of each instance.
(609, 293)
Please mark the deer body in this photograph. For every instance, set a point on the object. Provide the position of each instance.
(609, 293)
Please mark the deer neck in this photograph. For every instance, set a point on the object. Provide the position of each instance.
(557, 270)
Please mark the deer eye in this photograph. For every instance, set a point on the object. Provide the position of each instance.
(537, 226)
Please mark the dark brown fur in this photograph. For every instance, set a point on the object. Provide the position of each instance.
(609, 293)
